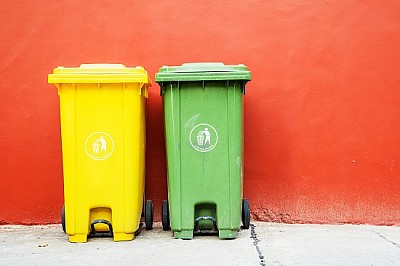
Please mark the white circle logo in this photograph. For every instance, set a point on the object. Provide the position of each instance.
(99, 145)
(203, 137)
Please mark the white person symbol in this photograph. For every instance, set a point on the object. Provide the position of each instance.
(103, 143)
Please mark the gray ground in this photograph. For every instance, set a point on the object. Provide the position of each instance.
(262, 244)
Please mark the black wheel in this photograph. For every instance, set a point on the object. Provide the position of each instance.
(63, 218)
(148, 215)
(165, 216)
(245, 214)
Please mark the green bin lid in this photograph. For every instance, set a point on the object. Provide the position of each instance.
(202, 71)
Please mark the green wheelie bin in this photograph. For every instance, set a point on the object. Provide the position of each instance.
(203, 113)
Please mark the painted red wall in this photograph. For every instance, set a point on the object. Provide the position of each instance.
(322, 114)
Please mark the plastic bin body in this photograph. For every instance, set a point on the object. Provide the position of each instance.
(103, 121)
(203, 105)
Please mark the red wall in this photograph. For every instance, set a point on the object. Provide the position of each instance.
(322, 114)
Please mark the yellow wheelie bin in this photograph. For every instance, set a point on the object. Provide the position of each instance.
(103, 123)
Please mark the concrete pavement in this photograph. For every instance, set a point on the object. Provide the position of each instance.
(262, 244)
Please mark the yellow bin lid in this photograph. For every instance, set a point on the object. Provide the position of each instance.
(99, 73)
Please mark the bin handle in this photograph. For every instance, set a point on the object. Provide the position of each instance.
(201, 218)
(100, 221)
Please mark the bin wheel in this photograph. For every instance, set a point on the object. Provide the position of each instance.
(63, 218)
(148, 215)
(165, 216)
(246, 214)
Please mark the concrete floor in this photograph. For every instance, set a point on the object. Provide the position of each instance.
(262, 244)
